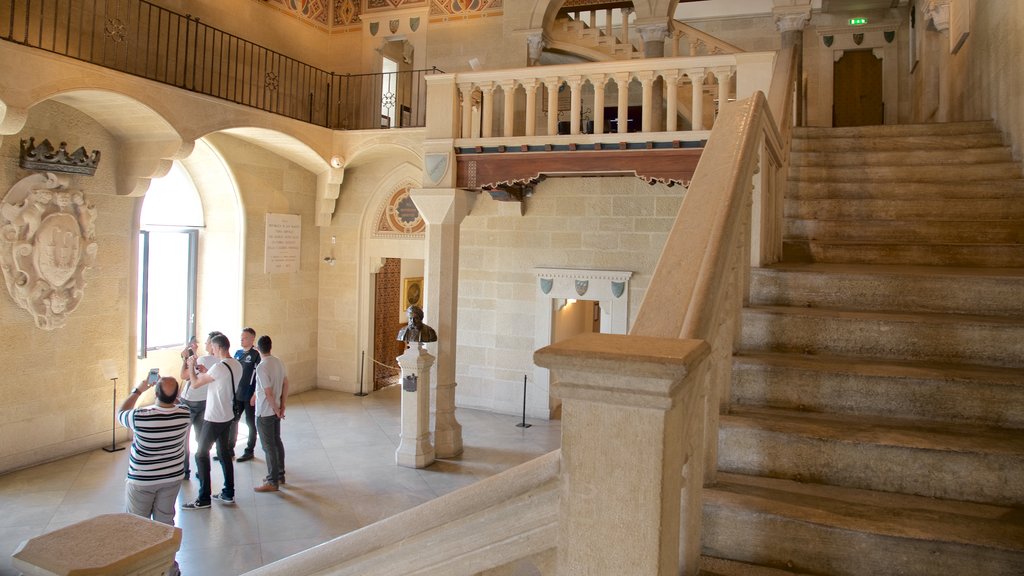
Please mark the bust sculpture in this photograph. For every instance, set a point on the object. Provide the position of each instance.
(416, 330)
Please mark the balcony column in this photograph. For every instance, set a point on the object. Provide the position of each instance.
(575, 84)
(487, 124)
(622, 83)
(646, 82)
(671, 78)
(608, 30)
(791, 21)
(599, 84)
(508, 90)
(552, 85)
(722, 75)
(696, 76)
(625, 24)
(466, 90)
(531, 106)
(632, 431)
(443, 209)
(653, 36)
(674, 45)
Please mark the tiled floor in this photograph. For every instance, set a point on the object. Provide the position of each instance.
(340, 452)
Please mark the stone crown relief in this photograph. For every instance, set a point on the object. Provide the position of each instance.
(47, 241)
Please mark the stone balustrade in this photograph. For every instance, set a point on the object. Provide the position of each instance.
(547, 103)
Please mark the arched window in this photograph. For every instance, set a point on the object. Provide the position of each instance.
(172, 214)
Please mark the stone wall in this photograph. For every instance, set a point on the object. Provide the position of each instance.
(992, 80)
(56, 399)
(592, 223)
(281, 305)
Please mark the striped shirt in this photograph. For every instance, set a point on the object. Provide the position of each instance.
(158, 450)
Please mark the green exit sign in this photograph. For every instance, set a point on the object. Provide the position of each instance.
(858, 21)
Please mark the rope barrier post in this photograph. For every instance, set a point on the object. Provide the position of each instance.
(362, 364)
(523, 424)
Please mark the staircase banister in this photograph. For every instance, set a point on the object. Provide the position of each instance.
(680, 300)
(462, 532)
(707, 38)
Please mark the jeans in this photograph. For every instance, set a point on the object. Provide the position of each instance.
(273, 448)
(250, 421)
(196, 413)
(219, 433)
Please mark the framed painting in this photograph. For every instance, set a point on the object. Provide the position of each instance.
(412, 292)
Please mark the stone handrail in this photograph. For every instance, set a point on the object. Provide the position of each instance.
(697, 42)
(506, 517)
(518, 90)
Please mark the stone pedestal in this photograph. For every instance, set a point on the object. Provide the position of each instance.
(415, 450)
(632, 432)
(111, 544)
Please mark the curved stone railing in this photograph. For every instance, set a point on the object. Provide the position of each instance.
(506, 517)
(697, 42)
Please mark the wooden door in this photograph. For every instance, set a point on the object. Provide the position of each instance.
(857, 90)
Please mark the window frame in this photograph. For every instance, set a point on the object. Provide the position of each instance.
(191, 286)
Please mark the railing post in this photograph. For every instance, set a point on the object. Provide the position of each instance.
(575, 84)
(647, 113)
(671, 99)
(487, 124)
(628, 403)
(466, 90)
(508, 92)
(530, 86)
(599, 83)
(622, 84)
(552, 85)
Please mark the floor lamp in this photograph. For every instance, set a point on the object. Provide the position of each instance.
(110, 373)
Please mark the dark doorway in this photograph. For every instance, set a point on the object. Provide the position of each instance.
(385, 324)
(857, 90)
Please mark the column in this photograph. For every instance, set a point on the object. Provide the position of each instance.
(466, 90)
(443, 209)
(599, 84)
(487, 127)
(552, 85)
(625, 24)
(508, 90)
(654, 35)
(696, 76)
(790, 21)
(531, 106)
(622, 83)
(414, 449)
(621, 510)
(722, 75)
(575, 83)
(647, 82)
(671, 99)
(534, 48)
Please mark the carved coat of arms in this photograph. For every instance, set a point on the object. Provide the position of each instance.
(47, 241)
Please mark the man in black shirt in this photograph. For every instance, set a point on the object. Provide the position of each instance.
(249, 358)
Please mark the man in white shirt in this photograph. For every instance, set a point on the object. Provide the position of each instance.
(195, 398)
(271, 393)
(222, 378)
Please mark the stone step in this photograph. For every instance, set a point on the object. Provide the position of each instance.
(721, 567)
(934, 459)
(898, 130)
(978, 291)
(813, 529)
(980, 340)
(904, 158)
(896, 175)
(907, 231)
(980, 255)
(1005, 188)
(956, 393)
(893, 143)
(901, 209)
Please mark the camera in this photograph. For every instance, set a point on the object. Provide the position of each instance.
(189, 352)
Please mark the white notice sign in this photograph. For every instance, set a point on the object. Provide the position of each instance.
(284, 238)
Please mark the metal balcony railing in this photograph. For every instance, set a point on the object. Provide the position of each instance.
(142, 39)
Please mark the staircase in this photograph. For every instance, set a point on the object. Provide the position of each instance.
(876, 424)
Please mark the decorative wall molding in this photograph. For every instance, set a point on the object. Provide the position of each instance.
(47, 242)
(399, 217)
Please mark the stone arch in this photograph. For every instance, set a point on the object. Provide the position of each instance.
(404, 171)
